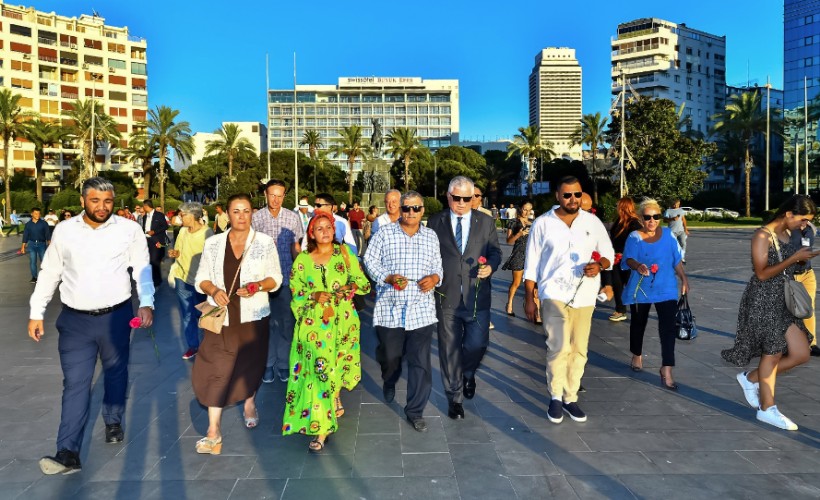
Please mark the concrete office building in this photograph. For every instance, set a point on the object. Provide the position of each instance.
(555, 98)
(430, 107)
(53, 60)
(255, 132)
(661, 59)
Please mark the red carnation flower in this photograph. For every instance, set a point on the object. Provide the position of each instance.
(618, 257)
(596, 257)
(135, 322)
(654, 268)
(252, 288)
(482, 261)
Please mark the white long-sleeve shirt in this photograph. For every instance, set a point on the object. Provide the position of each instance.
(557, 254)
(91, 266)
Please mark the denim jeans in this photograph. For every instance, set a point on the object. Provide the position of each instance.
(188, 314)
(35, 249)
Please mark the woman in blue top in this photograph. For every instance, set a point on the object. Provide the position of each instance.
(654, 256)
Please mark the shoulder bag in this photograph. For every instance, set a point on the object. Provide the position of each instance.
(213, 317)
(685, 320)
(798, 301)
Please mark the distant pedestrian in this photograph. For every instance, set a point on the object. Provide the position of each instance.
(804, 273)
(155, 226)
(392, 200)
(90, 260)
(356, 217)
(676, 218)
(52, 220)
(221, 221)
(15, 223)
(36, 236)
(304, 212)
(478, 200)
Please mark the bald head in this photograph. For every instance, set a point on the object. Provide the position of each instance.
(586, 202)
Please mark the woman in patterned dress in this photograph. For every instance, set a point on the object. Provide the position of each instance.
(765, 327)
(517, 233)
(325, 356)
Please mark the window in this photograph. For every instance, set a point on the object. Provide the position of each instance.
(139, 100)
(19, 30)
(138, 68)
(439, 98)
(92, 44)
(116, 80)
(118, 111)
(49, 107)
(116, 47)
(688, 80)
(20, 47)
(18, 83)
(23, 155)
(808, 61)
(677, 78)
(117, 96)
(689, 96)
(116, 64)
(21, 66)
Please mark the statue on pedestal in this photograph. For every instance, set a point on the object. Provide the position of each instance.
(376, 140)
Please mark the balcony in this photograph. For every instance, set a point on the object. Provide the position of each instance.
(47, 59)
(69, 95)
(139, 87)
(46, 41)
(13, 15)
(68, 62)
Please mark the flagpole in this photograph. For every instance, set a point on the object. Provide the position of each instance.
(295, 155)
(267, 109)
(806, 130)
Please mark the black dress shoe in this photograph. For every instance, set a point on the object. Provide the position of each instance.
(815, 351)
(418, 423)
(389, 393)
(455, 411)
(113, 434)
(469, 387)
(65, 462)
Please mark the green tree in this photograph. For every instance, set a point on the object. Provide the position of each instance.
(90, 125)
(313, 140)
(353, 146)
(12, 118)
(527, 144)
(42, 134)
(403, 145)
(667, 162)
(591, 131)
(745, 117)
(230, 143)
(143, 150)
(168, 134)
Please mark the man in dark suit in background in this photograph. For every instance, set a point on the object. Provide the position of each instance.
(155, 226)
(465, 236)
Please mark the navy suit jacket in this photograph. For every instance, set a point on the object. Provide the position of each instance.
(459, 283)
(159, 226)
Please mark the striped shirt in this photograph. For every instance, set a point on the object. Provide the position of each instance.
(285, 229)
(392, 251)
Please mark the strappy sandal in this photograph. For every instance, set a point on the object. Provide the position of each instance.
(209, 446)
(251, 422)
(340, 410)
(317, 446)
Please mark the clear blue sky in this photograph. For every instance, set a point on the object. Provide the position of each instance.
(207, 58)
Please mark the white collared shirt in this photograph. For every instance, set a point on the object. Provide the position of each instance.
(465, 227)
(557, 253)
(91, 266)
(146, 221)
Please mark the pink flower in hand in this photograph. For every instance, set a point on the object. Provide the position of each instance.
(482, 261)
(135, 322)
(252, 288)
(653, 268)
(596, 257)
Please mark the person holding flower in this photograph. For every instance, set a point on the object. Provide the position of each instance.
(655, 259)
(325, 355)
(623, 226)
(237, 270)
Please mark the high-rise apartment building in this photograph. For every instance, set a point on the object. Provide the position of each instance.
(256, 133)
(555, 98)
(661, 59)
(801, 51)
(53, 60)
(430, 107)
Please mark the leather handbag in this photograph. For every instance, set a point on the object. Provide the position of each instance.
(213, 317)
(798, 301)
(685, 320)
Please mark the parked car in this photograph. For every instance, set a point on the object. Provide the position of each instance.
(689, 211)
(24, 217)
(718, 212)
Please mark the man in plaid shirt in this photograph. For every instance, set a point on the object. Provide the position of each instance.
(404, 260)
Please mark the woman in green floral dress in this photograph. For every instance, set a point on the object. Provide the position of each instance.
(325, 355)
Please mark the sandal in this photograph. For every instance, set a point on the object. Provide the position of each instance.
(340, 410)
(209, 446)
(251, 422)
(316, 446)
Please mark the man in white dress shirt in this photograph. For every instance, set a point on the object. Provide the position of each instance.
(392, 200)
(560, 264)
(88, 258)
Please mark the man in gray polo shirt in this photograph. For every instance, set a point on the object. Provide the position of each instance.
(676, 218)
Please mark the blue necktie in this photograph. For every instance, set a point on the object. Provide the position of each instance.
(458, 235)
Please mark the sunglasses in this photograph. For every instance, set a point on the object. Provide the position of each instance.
(320, 205)
(465, 199)
(477, 195)
(576, 194)
(652, 217)
(414, 208)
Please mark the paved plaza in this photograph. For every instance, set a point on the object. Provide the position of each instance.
(640, 441)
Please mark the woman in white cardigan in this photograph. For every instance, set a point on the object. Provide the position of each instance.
(237, 270)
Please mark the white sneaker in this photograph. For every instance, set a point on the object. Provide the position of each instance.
(750, 390)
(772, 416)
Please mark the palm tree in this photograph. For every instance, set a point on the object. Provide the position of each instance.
(313, 140)
(230, 143)
(527, 144)
(141, 149)
(87, 115)
(591, 131)
(352, 145)
(745, 117)
(403, 144)
(42, 134)
(166, 133)
(12, 118)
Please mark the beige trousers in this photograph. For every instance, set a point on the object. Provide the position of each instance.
(567, 330)
(809, 281)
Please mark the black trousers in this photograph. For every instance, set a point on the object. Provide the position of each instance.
(462, 342)
(618, 278)
(155, 256)
(414, 346)
(82, 339)
(666, 328)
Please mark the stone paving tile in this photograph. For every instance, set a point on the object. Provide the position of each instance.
(378, 456)
(258, 489)
(599, 487)
(701, 462)
(586, 463)
(779, 462)
(546, 487)
(427, 464)
(628, 441)
(527, 463)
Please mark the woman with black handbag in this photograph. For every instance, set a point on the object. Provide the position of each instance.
(766, 326)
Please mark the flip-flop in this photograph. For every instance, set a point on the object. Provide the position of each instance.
(251, 422)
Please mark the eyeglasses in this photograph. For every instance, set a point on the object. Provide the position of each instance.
(414, 208)
(576, 194)
(320, 205)
(651, 217)
(477, 195)
(465, 199)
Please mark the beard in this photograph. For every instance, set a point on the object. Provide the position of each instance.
(98, 220)
(572, 210)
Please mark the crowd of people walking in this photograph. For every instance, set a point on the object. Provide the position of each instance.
(275, 294)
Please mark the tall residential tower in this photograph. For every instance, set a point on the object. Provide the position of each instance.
(555, 98)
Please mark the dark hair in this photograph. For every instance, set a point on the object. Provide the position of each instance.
(325, 196)
(97, 184)
(219, 205)
(239, 196)
(569, 179)
(36, 209)
(372, 209)
(798, 204)
(275, 182)
(148, 203)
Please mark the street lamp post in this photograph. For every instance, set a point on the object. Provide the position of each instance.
(768, 131)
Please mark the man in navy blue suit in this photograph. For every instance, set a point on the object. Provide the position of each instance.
(155, 226)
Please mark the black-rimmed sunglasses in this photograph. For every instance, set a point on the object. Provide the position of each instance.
(576, 194)
(653, 216)
(465, 199)
(414, 208)
(320, 205)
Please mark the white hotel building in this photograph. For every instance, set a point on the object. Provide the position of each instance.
(430, 107)
(52, 60)
(555, 99)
